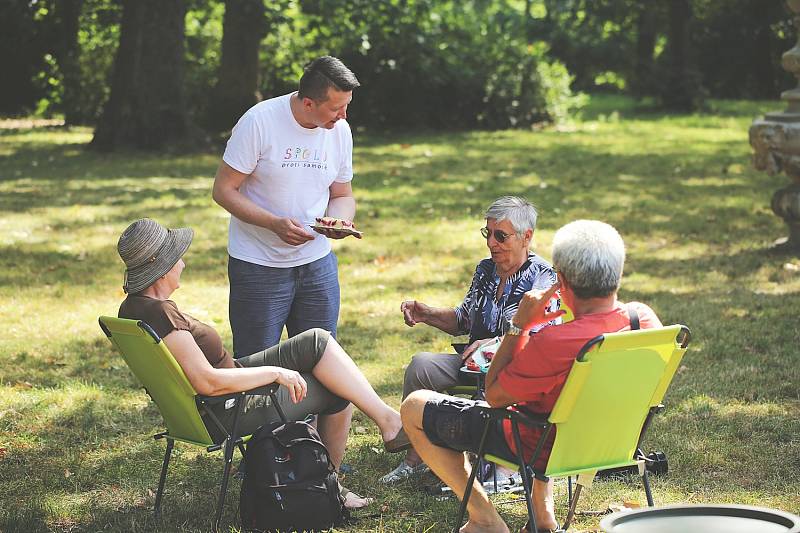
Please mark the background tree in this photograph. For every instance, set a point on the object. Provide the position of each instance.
(22, 59)
(146, 108)
(738, 46)
(681, 90)
(423, 63)
(64, 24)
(647, 18)
(445, 64)
(244, 26)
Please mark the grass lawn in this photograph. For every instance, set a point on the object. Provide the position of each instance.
(76, 452)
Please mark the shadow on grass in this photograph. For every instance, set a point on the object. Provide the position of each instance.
(94, 461)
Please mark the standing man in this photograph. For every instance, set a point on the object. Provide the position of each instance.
(288, 161)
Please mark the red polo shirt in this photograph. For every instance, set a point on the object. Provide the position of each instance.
(536, 375)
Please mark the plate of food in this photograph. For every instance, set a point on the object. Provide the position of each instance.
(482, 357)
(337, 225)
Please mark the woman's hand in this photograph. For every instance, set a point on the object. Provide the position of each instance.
(293, 381)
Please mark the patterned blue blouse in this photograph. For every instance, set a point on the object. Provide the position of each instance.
(482, 316)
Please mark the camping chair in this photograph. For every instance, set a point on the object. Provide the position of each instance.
(614, 388)
(180, 405)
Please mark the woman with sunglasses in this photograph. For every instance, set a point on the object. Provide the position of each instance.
(491, 301)
(315, 373)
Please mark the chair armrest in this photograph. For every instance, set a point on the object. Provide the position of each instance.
(523, 417)
(264, 390)
(531, 419)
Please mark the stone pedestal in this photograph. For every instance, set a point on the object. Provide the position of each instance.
(776, 141)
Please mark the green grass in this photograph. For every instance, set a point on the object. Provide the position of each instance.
(76, 451)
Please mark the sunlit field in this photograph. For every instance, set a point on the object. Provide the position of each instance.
(76, 452)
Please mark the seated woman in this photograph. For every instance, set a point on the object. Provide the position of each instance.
(491, 301)
(316, 374)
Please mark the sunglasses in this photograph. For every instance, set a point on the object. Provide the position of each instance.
(499, 236)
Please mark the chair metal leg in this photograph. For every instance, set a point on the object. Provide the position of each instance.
(230, 444)
(226, 471)
(569, 490)
(573, 504)
(467, 494)
(162, 480)
(471, 480)
(527, 482)
(647, 493)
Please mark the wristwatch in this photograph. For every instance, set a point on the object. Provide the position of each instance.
(515, 330)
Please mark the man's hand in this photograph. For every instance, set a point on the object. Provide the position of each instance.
(466, 356)
(413, 312)
(291, 231)
(532, 309)
(293, 382)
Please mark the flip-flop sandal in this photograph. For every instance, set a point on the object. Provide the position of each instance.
(399, 443)
(527, 529)
(350, 496)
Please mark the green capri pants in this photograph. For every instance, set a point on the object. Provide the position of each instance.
(301, 353)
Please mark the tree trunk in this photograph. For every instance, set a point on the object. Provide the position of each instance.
(682, 91)
(244, 26)
(20, 58)
(528, 65)
(146, 108)
(646, 34)
(67, 16)
(761, 59)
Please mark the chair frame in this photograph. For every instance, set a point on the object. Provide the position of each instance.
(233, 439)
(526, 468)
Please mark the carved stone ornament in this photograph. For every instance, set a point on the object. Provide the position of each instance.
(775, 138)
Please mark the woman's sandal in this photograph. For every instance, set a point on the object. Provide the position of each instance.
(353, 500)
(527, 529)
(399, 443)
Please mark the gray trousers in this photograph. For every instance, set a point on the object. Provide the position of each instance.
(432, 371)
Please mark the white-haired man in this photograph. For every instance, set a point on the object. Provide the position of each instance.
(528, 370)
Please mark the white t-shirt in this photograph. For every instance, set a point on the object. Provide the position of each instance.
(290, 169)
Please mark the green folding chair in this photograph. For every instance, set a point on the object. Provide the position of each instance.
(614, 388)
(180, 405)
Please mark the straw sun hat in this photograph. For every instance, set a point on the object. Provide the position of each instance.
(149, 251)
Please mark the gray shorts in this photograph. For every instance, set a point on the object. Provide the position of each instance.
(301, 353)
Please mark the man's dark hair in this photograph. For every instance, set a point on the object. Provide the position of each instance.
(323, 73)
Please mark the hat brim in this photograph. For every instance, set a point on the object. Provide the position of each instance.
(173, 248)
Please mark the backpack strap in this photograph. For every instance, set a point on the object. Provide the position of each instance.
(633, 315)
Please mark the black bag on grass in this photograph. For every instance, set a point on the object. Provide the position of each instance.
(290, 483)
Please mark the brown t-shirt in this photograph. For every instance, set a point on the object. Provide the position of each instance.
(164, 317)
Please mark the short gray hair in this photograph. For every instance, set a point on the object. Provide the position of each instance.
(590, 254)
(520, 212)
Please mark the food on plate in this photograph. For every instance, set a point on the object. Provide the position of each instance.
(338, 226)
(334, 223)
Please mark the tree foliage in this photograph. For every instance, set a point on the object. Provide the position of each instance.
(422, 63)
(442, 64)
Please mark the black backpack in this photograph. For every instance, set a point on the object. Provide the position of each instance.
(290, 483)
